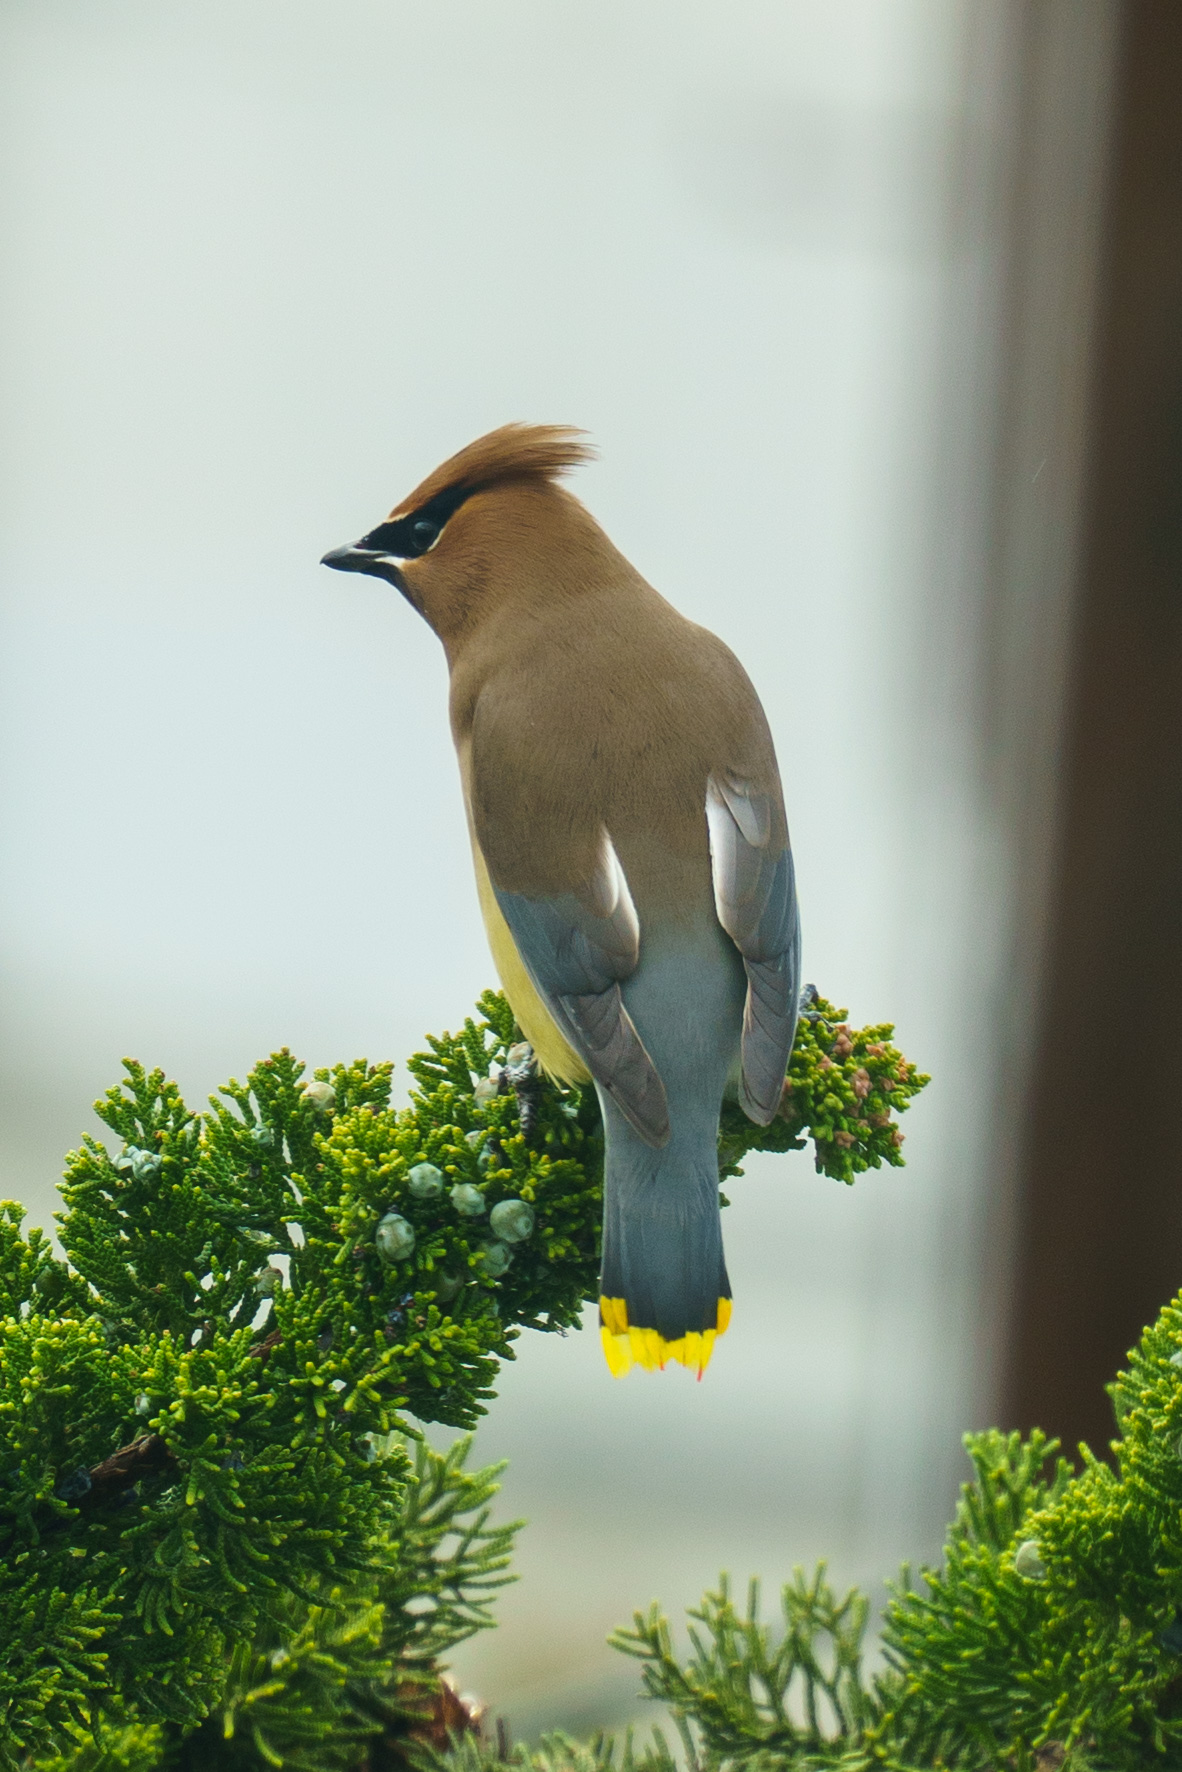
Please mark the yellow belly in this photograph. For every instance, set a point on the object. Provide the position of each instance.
(553, 1052)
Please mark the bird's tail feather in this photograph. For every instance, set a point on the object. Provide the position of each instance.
(664, 1292)
(626, 1345)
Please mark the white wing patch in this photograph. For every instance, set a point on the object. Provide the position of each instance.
(751, 811)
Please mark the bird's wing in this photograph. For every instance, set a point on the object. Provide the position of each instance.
(577, 946)
(560, 887)
(755, 895)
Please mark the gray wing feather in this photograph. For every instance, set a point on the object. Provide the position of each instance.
(577, 947)
(755, 896)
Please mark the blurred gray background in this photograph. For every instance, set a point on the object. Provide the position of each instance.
(266, 265)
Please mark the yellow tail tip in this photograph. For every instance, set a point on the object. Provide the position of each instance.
(626, 1345)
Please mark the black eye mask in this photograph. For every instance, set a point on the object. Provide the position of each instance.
(417, 534)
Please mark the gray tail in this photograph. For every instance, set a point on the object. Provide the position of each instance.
(662, 1233)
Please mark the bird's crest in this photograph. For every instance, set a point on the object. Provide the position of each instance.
(514, 452)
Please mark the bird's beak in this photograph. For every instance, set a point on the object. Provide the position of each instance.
(355, 559)
(350, 559)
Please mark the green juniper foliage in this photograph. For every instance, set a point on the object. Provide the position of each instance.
(211, 1545)
(1059, 1599)
(343, 1684)
(331, 1684)
(1050, 1637)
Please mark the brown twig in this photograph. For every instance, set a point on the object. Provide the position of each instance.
(147, 1455)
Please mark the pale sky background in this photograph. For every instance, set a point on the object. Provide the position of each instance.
(268, 263)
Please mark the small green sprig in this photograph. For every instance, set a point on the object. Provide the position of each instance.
(844, 1087)
(747, 1692)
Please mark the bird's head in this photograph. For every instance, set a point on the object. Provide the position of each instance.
(479, 527)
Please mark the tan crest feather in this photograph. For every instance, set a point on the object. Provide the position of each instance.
(513, 452)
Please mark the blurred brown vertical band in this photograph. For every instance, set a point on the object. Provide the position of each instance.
(1099, 1231)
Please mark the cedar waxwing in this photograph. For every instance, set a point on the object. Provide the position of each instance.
(630, 846)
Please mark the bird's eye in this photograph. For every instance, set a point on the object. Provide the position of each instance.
(424, 533)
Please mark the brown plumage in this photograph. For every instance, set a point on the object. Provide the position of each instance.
(540, 452)
(630, 845)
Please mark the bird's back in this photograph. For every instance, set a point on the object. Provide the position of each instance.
(606, 710)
